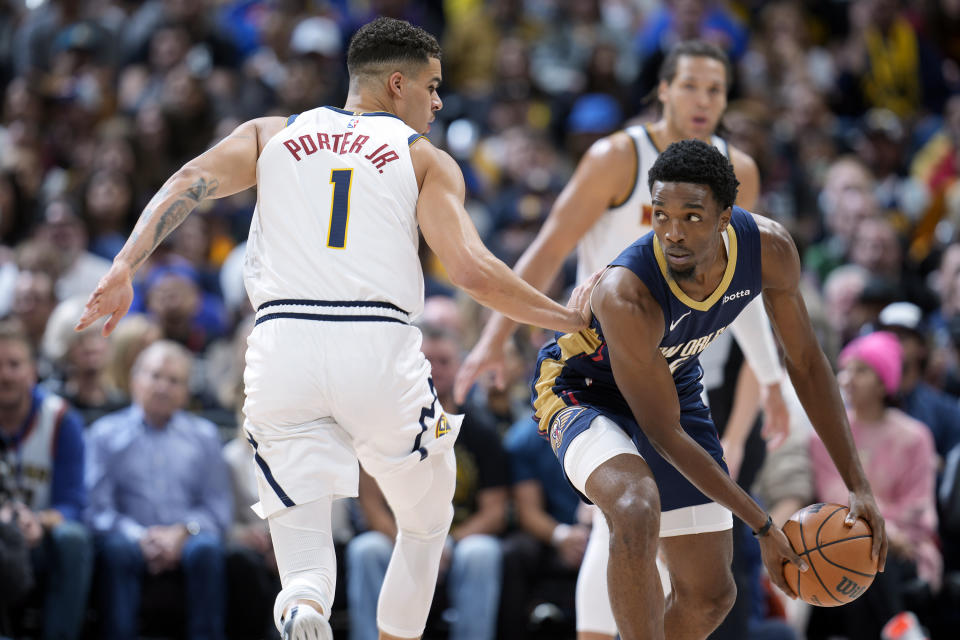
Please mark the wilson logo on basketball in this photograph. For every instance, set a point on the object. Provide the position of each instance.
(850, 588)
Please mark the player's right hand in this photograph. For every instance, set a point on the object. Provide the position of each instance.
(488, 359)
(112, 299)
(776, 552)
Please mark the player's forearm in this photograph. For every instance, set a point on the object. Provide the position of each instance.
(699, 467)
(493, 284)
(181, 193)
(817, 390)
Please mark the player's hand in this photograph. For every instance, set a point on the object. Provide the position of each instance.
(776, 552)
(488, 360)
(580, 298)
(863, 505)
(112, 299)
(776, 417)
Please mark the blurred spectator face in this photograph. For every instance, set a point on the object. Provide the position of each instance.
(442, 311)
(17, 374)
(88, 353)
(152, 129)
(63, 229)
(948, 281)
(109, 198)
(841, 291)
(696, 97)
(20, 102)
(183, 95)
(159, 382)
(688, 15)
(134, 334)
(173, 300)
(115, 155)
(876, 248)
(168, 48)
(848, 197)
(444, 356)
(33, 301)
(861, 386)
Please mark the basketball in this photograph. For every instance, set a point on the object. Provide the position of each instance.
(841, 567)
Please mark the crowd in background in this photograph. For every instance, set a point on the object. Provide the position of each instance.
(851, 109)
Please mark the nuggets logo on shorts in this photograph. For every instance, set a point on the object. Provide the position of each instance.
(443, 425)
(561, 421)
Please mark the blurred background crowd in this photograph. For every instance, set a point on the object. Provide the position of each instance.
(851, 109)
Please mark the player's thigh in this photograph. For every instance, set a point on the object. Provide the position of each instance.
(384, 398)
(699, 564)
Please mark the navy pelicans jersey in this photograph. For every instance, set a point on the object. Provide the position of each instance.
(626, 221)
(575, 369)
(336, 213)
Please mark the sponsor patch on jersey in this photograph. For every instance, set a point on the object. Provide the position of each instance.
(558, 427)
(443, 425)
(734, 296)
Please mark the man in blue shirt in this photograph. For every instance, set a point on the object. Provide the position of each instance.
(41, 442)
(160, 498)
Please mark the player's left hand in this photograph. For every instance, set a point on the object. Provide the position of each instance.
(776, 552)
(776, 417)
(580, 298)
(863, 505)
(112, 298)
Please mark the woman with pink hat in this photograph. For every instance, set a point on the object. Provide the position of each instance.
(898, 457)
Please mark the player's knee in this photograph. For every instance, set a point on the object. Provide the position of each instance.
(635, 515)
(712, 597)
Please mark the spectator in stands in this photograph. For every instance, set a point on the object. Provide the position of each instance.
(471, 563)
(921, 401)
(41, 442)
(900, 462)
(33, 302)
(160, 498)
(79, 270)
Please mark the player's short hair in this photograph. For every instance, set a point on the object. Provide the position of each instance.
(694, 49)
(387, 41)
(697, 162)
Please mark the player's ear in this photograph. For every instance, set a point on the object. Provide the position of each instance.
(725, 218)
(395, 84)
(662, 89)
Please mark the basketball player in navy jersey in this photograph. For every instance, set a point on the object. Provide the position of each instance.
(620, 401)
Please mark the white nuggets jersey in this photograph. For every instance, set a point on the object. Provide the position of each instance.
(623, 223)
(336, 214)
(33, 458)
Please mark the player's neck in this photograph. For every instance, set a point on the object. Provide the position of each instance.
(664, 134)
(360, 102)
(705, 280)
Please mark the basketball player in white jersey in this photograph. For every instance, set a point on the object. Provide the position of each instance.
(334, 369)
(605, 207)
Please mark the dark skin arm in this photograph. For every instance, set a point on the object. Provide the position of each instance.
(812, 376)
(633, 325)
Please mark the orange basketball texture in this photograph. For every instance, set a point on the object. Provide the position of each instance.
(841, 566)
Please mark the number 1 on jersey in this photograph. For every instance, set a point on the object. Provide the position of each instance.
(340, 210)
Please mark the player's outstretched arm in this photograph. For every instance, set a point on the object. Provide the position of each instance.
(448, 230)
(603, 177)
(226, 169)
(812, 375)
(633, 325)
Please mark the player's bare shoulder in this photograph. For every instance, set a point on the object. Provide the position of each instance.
(266, 128)
(620, 292)
(781, 262)
(429, 160)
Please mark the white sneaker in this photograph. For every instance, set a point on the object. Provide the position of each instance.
(305, 623)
